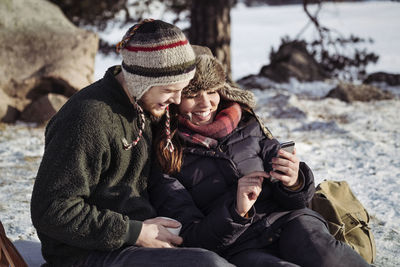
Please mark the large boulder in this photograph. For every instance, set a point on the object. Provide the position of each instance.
(348, 92)
(293, 60)
(383, 77)
(43, 108)
(41, 52)
(7, 109)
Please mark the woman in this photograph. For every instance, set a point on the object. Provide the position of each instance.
(218, 183)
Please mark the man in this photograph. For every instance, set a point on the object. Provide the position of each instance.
(90, 203)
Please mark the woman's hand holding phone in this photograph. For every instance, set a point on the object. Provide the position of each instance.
(249, 188)
(286, 165)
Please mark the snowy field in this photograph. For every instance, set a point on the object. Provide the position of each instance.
(358, 142)
(256, 30)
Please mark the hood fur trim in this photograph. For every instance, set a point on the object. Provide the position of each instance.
(210, 75)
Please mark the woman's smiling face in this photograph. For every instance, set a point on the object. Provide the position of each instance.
(201, 107)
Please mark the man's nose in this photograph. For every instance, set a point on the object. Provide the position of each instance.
(176, 98)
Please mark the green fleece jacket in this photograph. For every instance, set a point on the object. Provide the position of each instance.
(89, 193)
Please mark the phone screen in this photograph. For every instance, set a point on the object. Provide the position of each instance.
(288, 146)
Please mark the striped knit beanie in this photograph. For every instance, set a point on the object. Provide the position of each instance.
(155, 53)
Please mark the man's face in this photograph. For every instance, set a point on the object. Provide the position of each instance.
(157, 98)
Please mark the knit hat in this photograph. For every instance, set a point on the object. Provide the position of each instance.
(155, 53)
(210, 75)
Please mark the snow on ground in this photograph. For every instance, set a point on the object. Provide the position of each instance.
(357, 142)
(256, 30)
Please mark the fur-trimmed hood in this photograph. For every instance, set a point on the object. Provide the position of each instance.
(210, 75)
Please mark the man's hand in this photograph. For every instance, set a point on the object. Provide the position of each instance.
(155, 235)
(249, 188)
(288, 164)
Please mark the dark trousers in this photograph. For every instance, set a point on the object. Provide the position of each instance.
(304, 241)
(160, 257)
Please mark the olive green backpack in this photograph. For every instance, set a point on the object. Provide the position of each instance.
(347, 218)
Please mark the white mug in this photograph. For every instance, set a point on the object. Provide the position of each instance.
(174, 231)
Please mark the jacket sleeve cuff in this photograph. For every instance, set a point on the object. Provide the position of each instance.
(299, 186)
(134, 228)
(242, 220)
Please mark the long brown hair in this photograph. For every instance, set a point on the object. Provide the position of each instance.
(170, 162)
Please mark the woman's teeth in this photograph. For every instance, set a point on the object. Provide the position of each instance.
(202, 114)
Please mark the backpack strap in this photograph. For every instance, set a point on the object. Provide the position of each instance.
(9, 255)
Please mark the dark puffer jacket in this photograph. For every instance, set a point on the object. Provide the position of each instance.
(202, 196)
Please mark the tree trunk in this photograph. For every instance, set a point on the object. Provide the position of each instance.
(211, 27)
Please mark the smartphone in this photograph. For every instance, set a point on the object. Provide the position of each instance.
(288, 147)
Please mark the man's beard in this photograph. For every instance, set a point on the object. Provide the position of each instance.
(153, 118)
